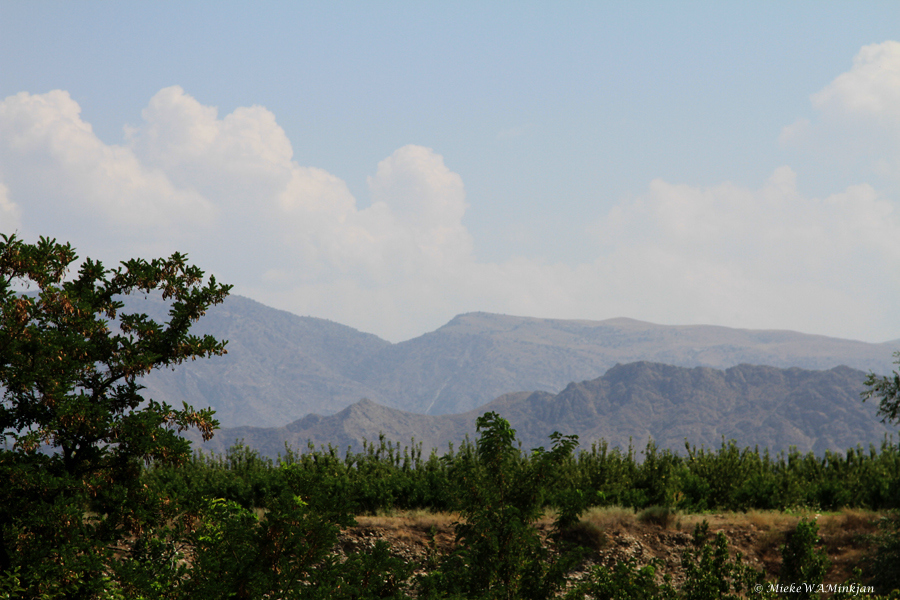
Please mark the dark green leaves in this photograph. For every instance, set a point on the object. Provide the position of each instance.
(887, 389)
(501, 494)
(70, 367)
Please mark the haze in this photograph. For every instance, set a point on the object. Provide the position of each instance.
(390, 165)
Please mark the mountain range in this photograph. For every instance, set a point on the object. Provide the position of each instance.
(629, 405)
(281, 367)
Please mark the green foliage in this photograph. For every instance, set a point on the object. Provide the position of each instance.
(501, 494)
(11, 585)
(387, 477)
(802, 562)
(156, 564)
(241, 475)
(364, 576)
(501, 491)
(623, 581)
(884, 570)
(887, 390)
(80, 430)
(711, 573)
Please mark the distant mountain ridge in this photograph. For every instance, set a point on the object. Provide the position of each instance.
(281, 366)
(754, 405)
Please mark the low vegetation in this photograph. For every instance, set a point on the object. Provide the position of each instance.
(496, 522)
(387, 476)
(492, 522)
(103, 499)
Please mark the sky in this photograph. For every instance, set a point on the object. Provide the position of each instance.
(391, 165)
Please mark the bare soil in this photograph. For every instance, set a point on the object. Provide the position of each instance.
(616, 534)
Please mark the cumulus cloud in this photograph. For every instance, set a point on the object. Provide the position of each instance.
(857, 115)
(428, 199)
(770, 257)
(238, 160)
(10, 215)
(394, 264)
(870, 90)
(757, 227)
(227, 190)
(53, 163)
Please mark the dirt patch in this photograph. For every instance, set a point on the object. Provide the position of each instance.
(616, 534)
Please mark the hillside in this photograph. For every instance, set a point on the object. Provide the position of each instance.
(478, 356)
(621, 535)
(281, 366)
(766, 406)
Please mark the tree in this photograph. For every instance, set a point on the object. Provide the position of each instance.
(887, 389)
(501, 494)
(883, 568)
(76, 427)
(802, 562)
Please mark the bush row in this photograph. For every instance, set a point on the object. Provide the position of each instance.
(387, 476)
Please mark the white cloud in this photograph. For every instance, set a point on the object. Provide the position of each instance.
(56, 167)
(389, 268)
(10, 215)
(857, 117)
(757, 258)
(428, 199)
(757, 228)
(228, 191)
(240, 159)
(871, 89)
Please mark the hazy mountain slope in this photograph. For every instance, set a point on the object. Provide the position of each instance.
(478, 356)
(771, 407)
(364, 420)
(281, 366)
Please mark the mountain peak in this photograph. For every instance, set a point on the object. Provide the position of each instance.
(632, 403)
(280, 366)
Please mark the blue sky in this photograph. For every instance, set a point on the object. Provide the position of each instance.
(389, 165)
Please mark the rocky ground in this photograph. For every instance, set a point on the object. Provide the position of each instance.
(614, 535)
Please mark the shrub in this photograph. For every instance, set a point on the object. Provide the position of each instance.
(661, 516)
(801, 561)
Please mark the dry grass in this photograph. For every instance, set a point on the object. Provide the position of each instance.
(421, 520)
(610, 517)
(767, 520)
(617, 517)
(412, 526)
(661, 516)
(852, 520)
(758, 535)
(586, 534)
(848, 538)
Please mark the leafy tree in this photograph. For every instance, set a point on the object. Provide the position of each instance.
(625, 580)
(887, 389)
(501, 494)
(75, 426)
(802, 563)
(712, 574)
(884, 569)
(887, 555)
